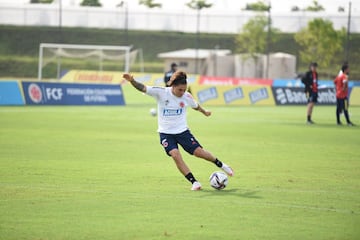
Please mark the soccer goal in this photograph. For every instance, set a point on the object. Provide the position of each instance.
(56, 59)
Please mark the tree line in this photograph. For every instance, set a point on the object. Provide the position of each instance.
(319, 41)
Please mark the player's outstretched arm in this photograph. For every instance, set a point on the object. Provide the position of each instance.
(139, 86)
(203, 111)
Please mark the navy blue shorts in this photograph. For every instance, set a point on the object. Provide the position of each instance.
(185, 139)
(342, 104)
(312, 97)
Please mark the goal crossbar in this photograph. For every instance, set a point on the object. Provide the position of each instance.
(126, 49)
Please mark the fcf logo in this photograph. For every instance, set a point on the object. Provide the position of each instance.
(54, 93)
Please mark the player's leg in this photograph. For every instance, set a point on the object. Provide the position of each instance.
(338, 110)
(204, 154)
(171, 148)
(180, 164)
(193, 147)
(310, 107)
(346, 112)
(312, 100)
(184, 169)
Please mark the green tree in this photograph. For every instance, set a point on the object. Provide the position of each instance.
(41, 1)
(295, 9)
(91, 3)
(256, 38)
(341, 9)
(252, 39)
(150, 3)
(259, 6)
(198, 5)
(320, 42)
(316, 7)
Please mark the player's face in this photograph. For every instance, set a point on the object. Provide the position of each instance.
(347, 70)
(179, 90)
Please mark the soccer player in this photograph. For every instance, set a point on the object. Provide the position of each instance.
(169, 73)
(172, 124)
(342, 102)
(310, 80)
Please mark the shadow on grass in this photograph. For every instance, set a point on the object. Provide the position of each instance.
(321, 125)
(231, 192)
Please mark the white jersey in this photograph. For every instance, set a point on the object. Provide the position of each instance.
(171, 109)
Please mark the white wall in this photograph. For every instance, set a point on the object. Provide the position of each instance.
(48, 15)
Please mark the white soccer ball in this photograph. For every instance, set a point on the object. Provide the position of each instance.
(218, 180)
(153, 112)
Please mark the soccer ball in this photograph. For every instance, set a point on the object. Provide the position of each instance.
(153, 112)
(218, 180)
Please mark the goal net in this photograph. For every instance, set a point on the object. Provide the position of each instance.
(56, 59)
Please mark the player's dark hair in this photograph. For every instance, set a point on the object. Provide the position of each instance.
(344, 67)
(313, 64)
(178, 78)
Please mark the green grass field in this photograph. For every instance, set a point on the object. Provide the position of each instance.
(100, 173)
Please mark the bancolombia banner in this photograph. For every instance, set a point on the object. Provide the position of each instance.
(297, 96)
(45, 93)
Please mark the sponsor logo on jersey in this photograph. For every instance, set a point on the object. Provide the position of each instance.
(172, 112)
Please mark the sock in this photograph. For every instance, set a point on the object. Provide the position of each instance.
(218, 163)
(309, 118)
(190, 177)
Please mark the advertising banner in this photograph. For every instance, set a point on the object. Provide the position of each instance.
(297, 96)
(354, 98)
(46, 93)
(298, 83)
(233, 95)
(86, 76)
(229, 81)
(10, 93)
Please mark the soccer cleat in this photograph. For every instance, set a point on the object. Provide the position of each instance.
(227, 169)
(196, 186)
(309, 122)
(339, 123)
(350, 124)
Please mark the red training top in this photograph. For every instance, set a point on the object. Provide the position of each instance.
(314, 83)
(341, 84)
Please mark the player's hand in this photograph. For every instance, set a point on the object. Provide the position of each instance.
(207, 113)
(203, 111)
(128, 77)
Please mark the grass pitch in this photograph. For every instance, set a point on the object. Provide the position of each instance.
(100, 173)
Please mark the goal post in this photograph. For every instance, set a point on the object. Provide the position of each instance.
(89, 57)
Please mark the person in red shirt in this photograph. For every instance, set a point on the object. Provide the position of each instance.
(310, 80)
(342, 91)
